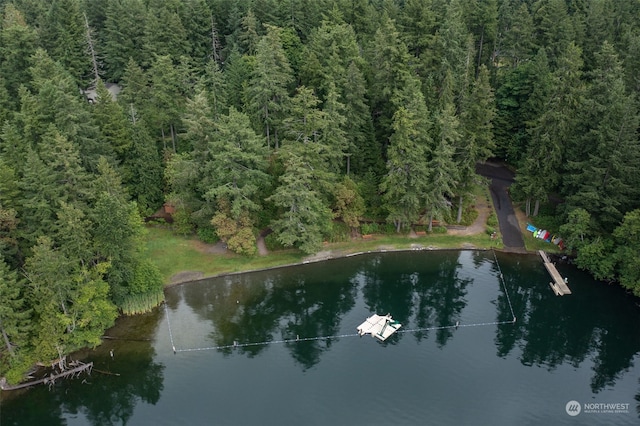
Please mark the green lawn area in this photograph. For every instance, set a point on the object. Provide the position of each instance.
(173, 253)
(530, 242)
(535, 244)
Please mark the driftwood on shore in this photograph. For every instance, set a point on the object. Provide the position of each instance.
(50, 379)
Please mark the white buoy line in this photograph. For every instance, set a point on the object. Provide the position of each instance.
(237, 344)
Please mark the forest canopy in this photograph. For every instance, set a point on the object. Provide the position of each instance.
(295, 116)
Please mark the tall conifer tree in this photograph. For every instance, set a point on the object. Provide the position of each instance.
(405, 184)
(64, 35)
(268, 88)
(14, 313)
(124, 31)
(604, 179)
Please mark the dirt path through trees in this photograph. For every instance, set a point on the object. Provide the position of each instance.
(479, 225)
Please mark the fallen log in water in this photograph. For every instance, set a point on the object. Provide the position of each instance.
(125, 339)
(109, 373)
(50, 379)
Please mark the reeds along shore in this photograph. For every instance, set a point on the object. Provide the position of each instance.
(142, 303)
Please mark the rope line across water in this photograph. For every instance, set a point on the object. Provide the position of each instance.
(504, 286)
(166, 311)
(268, 342)
(237, 344)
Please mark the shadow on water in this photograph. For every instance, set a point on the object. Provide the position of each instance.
(312, 300)
(596, 324)
(431, 294)
(101, 399)
(592, 323)
(280, 305)
(594, 329)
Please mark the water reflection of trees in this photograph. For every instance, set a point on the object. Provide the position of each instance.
(113, 398)
(103, 399)
(297, 302)
(311, 301)
(388, 288)
(316, 310)
(429, 289)
(421, 290)
(592, 323)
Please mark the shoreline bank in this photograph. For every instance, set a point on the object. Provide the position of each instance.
(185, 277)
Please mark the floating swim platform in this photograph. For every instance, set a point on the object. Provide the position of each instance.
(379, 326)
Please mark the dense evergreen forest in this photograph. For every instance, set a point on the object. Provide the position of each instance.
(297, 116)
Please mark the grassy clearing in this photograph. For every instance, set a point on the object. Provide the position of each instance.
(530, 242)
(535, 244)
(174, 254)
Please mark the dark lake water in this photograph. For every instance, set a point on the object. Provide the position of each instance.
(238, 360)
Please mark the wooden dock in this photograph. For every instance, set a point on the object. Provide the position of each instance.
(380, 327)
(558, 285)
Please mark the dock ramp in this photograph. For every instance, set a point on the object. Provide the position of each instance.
(559, 285)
